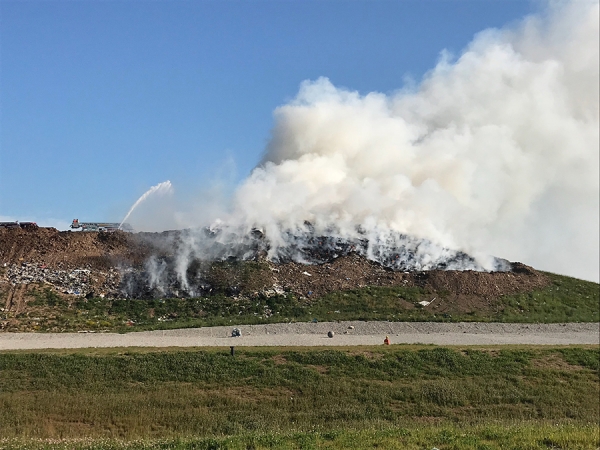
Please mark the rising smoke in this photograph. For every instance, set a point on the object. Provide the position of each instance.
(494, 152)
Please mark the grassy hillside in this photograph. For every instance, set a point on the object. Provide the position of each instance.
(488, 437)
(565, 299)
(393, 397)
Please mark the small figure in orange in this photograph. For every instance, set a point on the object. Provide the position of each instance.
(386, 341)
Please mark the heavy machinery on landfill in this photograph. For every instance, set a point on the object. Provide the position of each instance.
(9, 224)
(22, 225)
(100, 226)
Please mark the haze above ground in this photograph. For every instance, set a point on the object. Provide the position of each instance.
(99, 101)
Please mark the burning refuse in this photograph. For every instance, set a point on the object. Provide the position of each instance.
(183, 272)
(240, 266)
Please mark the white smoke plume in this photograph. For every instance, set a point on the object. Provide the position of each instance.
(496, 152)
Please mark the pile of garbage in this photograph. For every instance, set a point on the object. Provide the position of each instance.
(79, 282)
(396, 251)
(390, 249)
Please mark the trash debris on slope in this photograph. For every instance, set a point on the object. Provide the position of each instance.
(79, 282)
(426, 303)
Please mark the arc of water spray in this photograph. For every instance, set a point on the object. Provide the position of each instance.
(162, 188)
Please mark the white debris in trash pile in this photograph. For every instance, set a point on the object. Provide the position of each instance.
(426, 303)
(78, 282)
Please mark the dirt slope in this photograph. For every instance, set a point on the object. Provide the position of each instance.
(55, 249)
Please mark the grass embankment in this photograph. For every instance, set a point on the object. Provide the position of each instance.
(488, 437)
(564, 300)
(393, 397)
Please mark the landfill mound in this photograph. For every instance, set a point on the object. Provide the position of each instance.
(145, 265)
(68, 250)
(393, 250)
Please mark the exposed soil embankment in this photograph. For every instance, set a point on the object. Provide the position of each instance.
(69, 250)
(353, 272)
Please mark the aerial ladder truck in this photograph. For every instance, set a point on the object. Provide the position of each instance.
(100, 226)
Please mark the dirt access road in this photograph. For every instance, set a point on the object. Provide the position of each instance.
(315, 334)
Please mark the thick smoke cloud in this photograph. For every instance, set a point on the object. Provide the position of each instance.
(495, 152)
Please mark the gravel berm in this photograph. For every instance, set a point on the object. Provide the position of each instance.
(315, 334)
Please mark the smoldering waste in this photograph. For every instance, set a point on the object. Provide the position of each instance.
(220, 261)
(199, 256)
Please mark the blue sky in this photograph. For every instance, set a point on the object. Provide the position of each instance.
(99, 100)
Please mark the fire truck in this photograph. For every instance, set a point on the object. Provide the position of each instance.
(100, 226)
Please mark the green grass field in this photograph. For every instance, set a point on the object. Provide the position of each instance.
(564, 300)
(365, 397)
(486, 437)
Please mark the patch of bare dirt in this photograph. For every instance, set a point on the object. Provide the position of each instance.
(320, 369)
(372, 356)
(279, 360)
(65, 249)
(554, 362)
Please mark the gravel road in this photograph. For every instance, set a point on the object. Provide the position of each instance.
(315, 334)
